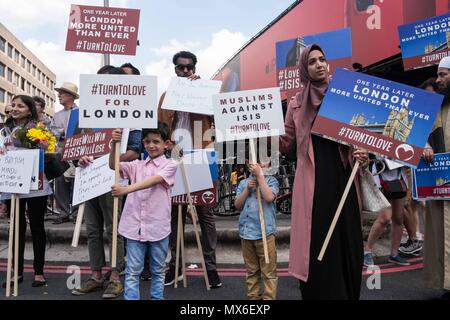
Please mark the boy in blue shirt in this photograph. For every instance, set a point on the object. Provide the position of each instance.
(250, 232)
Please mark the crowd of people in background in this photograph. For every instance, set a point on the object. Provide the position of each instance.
(148, 232)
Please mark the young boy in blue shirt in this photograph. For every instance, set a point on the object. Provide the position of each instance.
(251, 235)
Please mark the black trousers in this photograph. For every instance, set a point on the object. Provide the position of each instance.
(36, 212)
(208, 235)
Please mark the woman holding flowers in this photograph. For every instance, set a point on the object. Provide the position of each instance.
(28, 133)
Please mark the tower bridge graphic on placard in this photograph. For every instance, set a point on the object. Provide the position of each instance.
(397, 126)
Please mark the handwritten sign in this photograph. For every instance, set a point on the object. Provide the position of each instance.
(191, 96)
(15, 172)
(111, 101)
(92, 181)
(102, 30)
(248, 114)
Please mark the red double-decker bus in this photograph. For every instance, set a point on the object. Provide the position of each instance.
(374, 34)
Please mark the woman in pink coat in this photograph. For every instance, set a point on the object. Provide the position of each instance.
(323, 169)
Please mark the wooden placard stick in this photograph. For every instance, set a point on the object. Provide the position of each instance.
(115, 207)
(179, 237)
(16, 247)
(193, 213)
(338, 211)
(260, 207)
(77, 231)
(12, 220)
(183, 266)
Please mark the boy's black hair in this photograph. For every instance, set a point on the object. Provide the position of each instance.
(184, 54)
(162, 130)
(133, 68)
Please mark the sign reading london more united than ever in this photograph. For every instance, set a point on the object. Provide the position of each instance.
(102, 30)
(384, 117)
(248, 114)
(431, 181)
(112, 101)
(425, 42)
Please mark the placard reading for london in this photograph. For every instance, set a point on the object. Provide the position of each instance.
(191, 96)
(102, 30)
(248, 114)
(425, 42)
(432, 180)
(384, 117)
(113, 101)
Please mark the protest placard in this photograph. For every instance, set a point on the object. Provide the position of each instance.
(383, 117)
(425, 42)
(38, 158)
(248, 114)
(431, 181)
(338, 47)
(16, 168)
(93, 143)
(93, 180)
(191, 96)
(102, 30)
(111, 101)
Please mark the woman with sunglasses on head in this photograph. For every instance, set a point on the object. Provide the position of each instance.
(23, 112)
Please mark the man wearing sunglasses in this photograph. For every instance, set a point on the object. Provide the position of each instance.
(190, 130)
(8, 109)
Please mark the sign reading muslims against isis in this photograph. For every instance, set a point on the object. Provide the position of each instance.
(16, 169)
(111, 101)
(338, 47)
(248, 114)
(431, 181)
(425, 42)
(93, 143)
(102, 30)
(387, 118)
(191, 96)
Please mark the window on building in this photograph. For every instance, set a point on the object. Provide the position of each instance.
(28, 66)
(22, 84)
(33, 91)
(22, 61)
(10, 75)
(2, 70)
(28, 86)
(16, 56)
(10, 51)
(2, 44)
(39, 75)
(16, 79)
(2, 95)
(34, 71)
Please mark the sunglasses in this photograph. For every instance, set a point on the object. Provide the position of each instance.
(7, 112)
(181, 67)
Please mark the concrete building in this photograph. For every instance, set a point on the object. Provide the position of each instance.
(21, 72)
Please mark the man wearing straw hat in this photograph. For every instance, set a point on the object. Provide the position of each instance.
(67, 94)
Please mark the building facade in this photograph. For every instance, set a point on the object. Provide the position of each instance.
(21, 72)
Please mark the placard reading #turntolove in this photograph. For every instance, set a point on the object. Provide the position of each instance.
(102, 30)
(384, 117)
(118, 101)
(425, 42)
(248, 114)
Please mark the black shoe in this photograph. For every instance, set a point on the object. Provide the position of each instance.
(146, 275)
(170, 277)
(19, 280)
(61, 220)
(214, 280)
(38, 283)
(446, 296)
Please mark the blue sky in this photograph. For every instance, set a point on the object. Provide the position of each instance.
(212, 29)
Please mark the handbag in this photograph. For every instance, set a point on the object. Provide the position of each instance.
(54, 167)
(373, 199)
(395, 189)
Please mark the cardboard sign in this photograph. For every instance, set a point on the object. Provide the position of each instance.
(431, 181)
(336, 44)
(102, 30)
(194, 171)
(15, 171)
(425, 42)
(92, 181)
(248, 114)
(36, 180)
(94, 143)
(111, 101)
(191, 96)
(383, 117)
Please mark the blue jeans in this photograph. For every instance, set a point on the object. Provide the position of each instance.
(157, 252)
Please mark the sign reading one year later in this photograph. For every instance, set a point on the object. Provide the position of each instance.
(112, 101)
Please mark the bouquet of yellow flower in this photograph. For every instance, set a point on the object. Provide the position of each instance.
(35, 136)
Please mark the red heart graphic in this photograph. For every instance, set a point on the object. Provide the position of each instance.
(405, 154)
